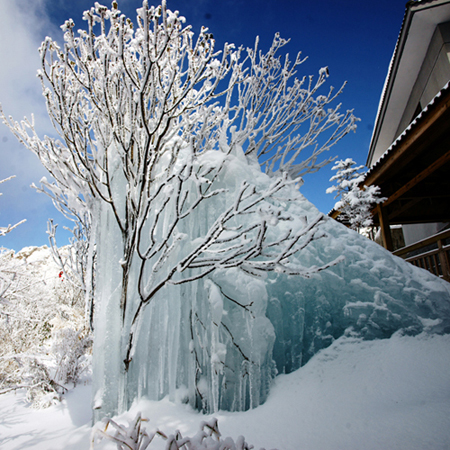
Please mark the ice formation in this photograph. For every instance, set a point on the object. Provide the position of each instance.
(218, 342)
(196, 248)
(371, 294)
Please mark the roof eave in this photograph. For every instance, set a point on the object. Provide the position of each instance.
(412, 7)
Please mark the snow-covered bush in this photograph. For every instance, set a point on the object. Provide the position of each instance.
(25, 311)
(42, 326)
(70, 348)
(135, 437)
(39, 302)
(38, 297)
(24, 371)
(356, 202)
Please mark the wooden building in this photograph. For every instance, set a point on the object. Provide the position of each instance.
(409, 155)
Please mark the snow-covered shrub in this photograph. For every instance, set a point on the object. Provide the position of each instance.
(135, 437)
(26, 372)
(38, 299)
(41, 327)
(70, 348)
(25, 310)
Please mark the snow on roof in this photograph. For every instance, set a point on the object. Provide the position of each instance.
(409, 51)
(408, 129)
(386, 83)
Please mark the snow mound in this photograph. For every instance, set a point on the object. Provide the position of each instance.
(390, 394)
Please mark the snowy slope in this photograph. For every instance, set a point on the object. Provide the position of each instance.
(382, 394)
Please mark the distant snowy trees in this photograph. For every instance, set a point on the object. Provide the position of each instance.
(179, 163)
(355, 202)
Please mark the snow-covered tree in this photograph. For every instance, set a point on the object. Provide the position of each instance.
(356, 202)
(163, 141)
(78, 264)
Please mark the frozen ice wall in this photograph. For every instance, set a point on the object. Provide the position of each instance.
(207, 342)
(216, 343)
(372, 294)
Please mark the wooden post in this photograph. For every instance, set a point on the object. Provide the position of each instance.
(443, 259)
(385, 228)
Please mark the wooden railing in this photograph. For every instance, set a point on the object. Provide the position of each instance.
(432, 254)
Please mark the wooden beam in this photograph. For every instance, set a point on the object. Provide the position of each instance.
(334, 214)
(418, 178)
(385, 228)
(405, 207)
(419, 133)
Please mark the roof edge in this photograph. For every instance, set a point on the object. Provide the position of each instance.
(411, 8)
(388, 83)
(442, 96)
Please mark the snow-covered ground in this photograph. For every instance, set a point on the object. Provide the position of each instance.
(385, 394)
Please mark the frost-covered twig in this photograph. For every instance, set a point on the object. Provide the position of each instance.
(135, 437)
(26, 372)
(9, 228)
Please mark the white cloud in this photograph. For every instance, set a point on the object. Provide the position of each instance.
(23, 26)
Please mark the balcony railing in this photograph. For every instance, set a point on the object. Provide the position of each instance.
(432, 254)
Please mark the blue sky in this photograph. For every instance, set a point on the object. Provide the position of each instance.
(354, 38)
